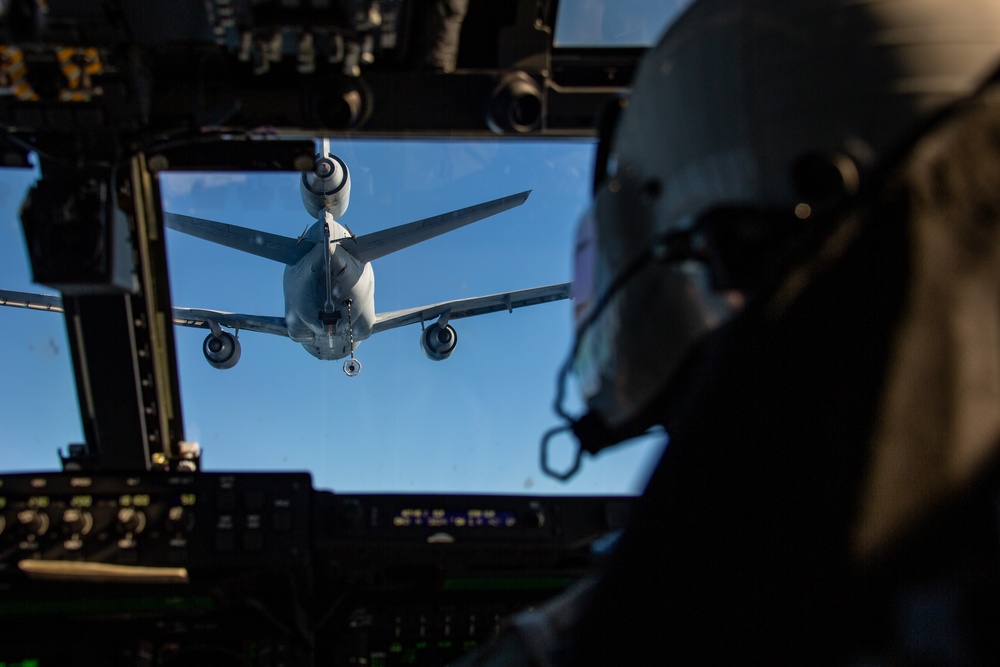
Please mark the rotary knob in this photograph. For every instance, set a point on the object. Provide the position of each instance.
(180, 519)
(131, 520)
(77, 522)
(32, 522)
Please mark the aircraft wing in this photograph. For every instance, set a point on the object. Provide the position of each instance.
(200, 318)
(270, 246)
(379, 244)
(471, 307)
(186, 317)
(31, 301)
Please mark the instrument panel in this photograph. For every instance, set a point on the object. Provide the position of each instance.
(262, 569)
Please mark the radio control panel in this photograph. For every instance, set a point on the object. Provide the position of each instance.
(149, 525)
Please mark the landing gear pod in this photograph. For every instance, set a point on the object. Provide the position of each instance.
(327, 187)
(222, 351)
(438, 342)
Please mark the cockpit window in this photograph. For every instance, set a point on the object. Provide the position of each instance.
(39, 413)
(471, 422)
(610, 23)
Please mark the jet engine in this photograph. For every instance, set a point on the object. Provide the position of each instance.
(327, 187)
(222, 351)
(438, 342)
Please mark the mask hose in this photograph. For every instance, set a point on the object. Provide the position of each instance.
(591, 432)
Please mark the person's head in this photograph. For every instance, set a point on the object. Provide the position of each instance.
(746, 119)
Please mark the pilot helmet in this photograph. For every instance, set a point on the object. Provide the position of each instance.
(753, 114)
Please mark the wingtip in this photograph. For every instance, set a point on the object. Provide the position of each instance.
(522, 197)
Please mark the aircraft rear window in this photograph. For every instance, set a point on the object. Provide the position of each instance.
(609, 23)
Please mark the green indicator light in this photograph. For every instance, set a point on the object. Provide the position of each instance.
(81, 501)
(395, 647)
(421, 645)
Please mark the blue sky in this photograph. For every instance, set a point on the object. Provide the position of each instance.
(471, 423)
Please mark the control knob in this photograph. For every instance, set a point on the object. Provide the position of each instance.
(77, 522)
(131, 520)
(180, 519)
(33, 522)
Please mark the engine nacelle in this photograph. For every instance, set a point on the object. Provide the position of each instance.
(327, 187)
(438, 342)
(222, 351)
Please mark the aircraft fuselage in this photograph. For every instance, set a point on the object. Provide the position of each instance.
(325, 321)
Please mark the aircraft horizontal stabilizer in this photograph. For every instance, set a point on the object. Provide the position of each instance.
(470, 307)
(270, 246)
(379, 244)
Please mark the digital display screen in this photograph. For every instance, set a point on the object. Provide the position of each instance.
(409, 517)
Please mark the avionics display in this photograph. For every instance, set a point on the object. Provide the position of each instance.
(452, 518)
